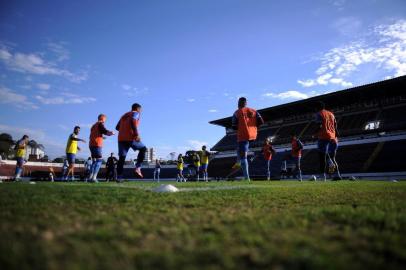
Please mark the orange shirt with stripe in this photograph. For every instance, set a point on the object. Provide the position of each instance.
(327, 121)
(268, 150)
(128, 127)
(247, 124)
(296, 148)
(96, 134)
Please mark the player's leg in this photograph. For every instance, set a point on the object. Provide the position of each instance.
(268, 170)
(123, 148)
(298, 169)
(333, 152)
(243, 148)
(19, 168)
(142, 149)
(97, 155)
(323, 147)
(71, 169)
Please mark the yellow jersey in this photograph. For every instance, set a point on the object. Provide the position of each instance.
(72, 145)
(180, 164)
(204, 157)
(196, 160)
(20, 150)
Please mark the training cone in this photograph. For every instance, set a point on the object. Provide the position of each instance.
(166, 188)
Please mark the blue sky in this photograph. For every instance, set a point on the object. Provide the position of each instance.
(64, 62)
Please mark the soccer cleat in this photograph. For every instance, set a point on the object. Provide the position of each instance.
(138, 172)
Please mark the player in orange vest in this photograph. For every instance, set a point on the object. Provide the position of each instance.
(268, 152)
(246, 121)
(297, 147)
(129, 137)
(97, 132)
(327, 134)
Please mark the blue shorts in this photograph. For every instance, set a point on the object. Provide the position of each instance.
(243, 146)
(96, 152)
(123, 147)
(327, 146)
(203, 167)
(20, 161)
(71, 158)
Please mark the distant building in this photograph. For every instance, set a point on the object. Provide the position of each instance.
(34, 153)
(150, 155)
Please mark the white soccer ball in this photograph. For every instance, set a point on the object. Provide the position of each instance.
(166, 188)
(313, 178)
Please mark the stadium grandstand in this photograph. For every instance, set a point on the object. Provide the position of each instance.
(372, 124)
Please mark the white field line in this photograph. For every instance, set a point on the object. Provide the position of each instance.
(183, 189)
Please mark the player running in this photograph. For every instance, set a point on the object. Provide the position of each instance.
(268, 152)
(20, 154)
(327, 134)
(297, 147)
(129, 137)
(71, 150)
(246, 121)
(204, 160)
(179, 166)
(96, 139)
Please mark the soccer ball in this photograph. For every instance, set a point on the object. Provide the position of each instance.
(313, 178)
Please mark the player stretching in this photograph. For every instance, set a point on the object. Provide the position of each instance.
(246, 121)
(71, 150)
(179, 165)
(268, 152)
(129, 137)
(20, 154)
(196, 163)
(204, 160)
(297, 147)
(327, 137)
(95, 145)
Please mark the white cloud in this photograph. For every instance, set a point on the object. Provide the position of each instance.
(131, 91)
(196, 144)
(43, 86)
(347, 26)
(384, 48)
(65, 98)
(32, 63)
(292, 94)
(213, 111)
(126, 86)
(191, 100)
(63, 127)
(307, 83)
(60, 51)
(8, 96)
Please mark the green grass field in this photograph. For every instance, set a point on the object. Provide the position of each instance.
(267, 225)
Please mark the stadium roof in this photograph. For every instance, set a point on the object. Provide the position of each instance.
(372, 91)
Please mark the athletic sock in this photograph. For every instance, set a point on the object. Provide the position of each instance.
(97, 169)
